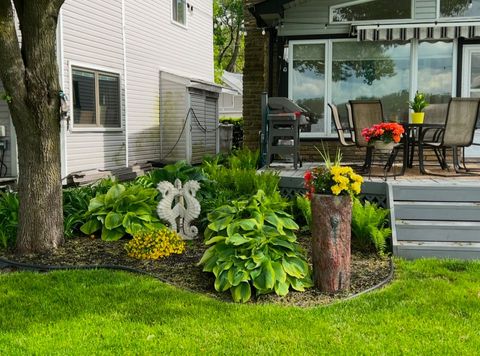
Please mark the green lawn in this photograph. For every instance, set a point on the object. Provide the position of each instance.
(433, 307)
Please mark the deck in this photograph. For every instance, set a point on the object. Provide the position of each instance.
(431, 216)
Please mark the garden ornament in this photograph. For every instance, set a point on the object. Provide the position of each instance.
(186, 207)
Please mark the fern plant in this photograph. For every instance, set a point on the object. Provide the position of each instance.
(369, 226)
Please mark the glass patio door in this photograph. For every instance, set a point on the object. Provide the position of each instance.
(471, 88)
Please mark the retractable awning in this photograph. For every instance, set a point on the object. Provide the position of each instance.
(419, 31)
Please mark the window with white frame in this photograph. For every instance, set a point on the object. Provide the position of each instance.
(366, 10)
(96, 98)
(336, 71)
(179, 11)
(459, 8)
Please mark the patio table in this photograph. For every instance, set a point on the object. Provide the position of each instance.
(412, 133)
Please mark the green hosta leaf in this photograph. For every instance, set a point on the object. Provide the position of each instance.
(280, 275)
(147, 218)
(279, 242)
(96, 203)
(281, 288)
(274, 220)
(258, 258)
(207, 255)
(114, 193)
(221, 282)
(241, 293)
(215, 239)
(112, 235)
(248, 224)
(237, 275)
(265, 281)
(91, 226)
(297, 284)
(113, 220)
(223, 266)
(289, 223)
(140, 209)
(220, 224)
(237, 240)
(295, 267)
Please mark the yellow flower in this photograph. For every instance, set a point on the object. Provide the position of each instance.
(336, 190)
(356, 187)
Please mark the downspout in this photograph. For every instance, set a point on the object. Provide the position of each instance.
(124, 39)
(61, 70)
(271, 37)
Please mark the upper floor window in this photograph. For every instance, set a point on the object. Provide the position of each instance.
(179, 11)
(96, 98)
(459, 8)
(366, 10)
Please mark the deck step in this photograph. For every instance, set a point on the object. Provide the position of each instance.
(440, 231)
(443, 211)
(421, 249)
(452, 192)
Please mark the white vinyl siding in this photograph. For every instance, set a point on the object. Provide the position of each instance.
(92, 38)
(155, 44)
(425, 9)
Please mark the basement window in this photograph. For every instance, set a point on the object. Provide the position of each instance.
(96, 98)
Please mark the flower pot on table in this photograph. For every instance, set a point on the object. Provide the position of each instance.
(331, 240)
(417, 117)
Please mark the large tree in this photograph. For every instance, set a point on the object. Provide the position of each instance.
(228, 34)
(29, 72)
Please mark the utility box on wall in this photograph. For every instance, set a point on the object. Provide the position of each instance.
(188, 118)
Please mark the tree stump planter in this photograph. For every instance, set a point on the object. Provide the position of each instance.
(331, 237)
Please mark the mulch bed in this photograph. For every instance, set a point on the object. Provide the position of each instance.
(182, 271)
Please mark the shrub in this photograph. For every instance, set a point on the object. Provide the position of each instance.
(8, 219)
(181, 170)
(122, 210)
(369, 226)
(75, 205)
(254, 245)
(302, 211)
(151, 245)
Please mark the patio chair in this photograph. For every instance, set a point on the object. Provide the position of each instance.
(350, 121)
(365, 113)
(341, 130)
(458, 132)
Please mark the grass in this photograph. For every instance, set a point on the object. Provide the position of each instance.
(433, 307)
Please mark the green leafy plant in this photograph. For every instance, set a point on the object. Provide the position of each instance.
(302, 211)
(8, 219)
(181, 170)
(244, 159)
(122, 211)
(419, 103)
(253, 244)
(369, 226)
(152, 245)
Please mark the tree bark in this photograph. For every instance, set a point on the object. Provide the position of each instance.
(30, 78)
(331, 239)
(236, 49)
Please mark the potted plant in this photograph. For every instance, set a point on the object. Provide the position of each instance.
(418, 105)
(330, 189)
(384, 136)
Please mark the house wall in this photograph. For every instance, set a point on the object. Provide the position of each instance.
(226, 109)
(153, 44)
(92, 37)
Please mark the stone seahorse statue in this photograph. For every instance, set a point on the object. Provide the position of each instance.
(164, 207)
(192, 210)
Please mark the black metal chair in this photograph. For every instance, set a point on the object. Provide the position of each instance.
(458, 132)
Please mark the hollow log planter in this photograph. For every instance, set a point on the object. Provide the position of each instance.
(331, 237)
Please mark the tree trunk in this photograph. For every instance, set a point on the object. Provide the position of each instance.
(236, 49)
(331, 238)
(30, 78)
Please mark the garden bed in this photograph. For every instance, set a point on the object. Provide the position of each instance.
(182, 271)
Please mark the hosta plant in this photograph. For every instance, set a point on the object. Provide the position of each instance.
(122, 211)
(253, 245)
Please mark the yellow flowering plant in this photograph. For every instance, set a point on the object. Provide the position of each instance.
(151, 245)
(332, 178)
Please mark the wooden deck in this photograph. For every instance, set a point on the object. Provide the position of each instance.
(430, 216)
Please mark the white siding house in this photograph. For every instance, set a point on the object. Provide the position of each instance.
(111, 54)
(231, 98)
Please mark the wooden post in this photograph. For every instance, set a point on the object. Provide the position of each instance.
(331, 236)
